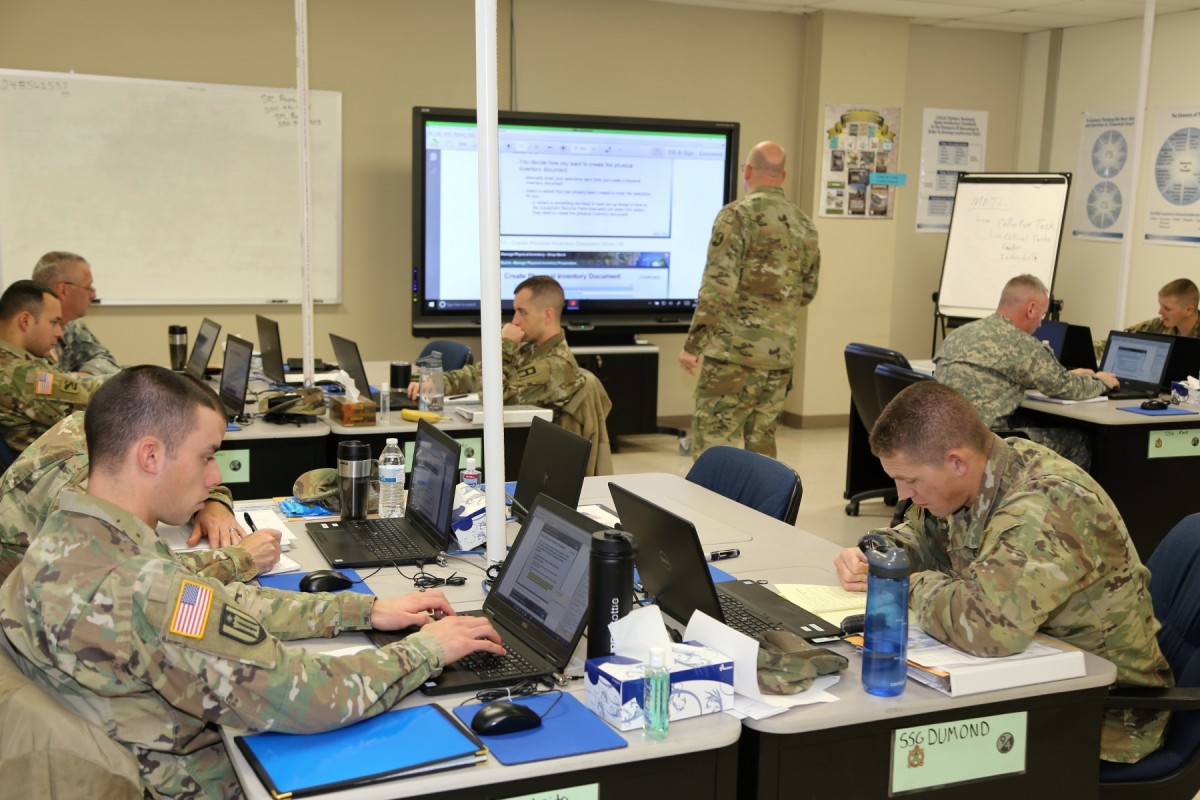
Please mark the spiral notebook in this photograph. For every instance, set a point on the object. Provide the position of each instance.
(397, 744)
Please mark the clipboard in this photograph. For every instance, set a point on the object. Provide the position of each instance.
(396, 744)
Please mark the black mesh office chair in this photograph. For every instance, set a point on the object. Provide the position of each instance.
(865, 478)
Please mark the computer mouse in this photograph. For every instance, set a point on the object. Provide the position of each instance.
(504, 716)
(329, 385)
(1155, 405)
(325, 580)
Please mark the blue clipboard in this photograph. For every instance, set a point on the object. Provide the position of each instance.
(569, 729)
(396, 744)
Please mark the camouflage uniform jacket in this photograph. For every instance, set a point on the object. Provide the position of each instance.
(80, 351)
(1156, 326)
(34, 395)
(58, 460)
(763, 263)
(545, 375)
(991, 362)
(1042, 548)
(159, 657)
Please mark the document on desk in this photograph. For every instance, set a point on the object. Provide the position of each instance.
(263, 514)
(1041, 398)
(830, 603)
(956, 673)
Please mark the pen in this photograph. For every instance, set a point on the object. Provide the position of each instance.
(250, 522)
(721, 555)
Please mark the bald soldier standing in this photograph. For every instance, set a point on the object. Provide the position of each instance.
(159, 657)
(763, 263)
(34, 394)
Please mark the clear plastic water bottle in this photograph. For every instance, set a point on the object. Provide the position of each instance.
(385, 404)
(885, 630)
(391, 480)
(656, 697)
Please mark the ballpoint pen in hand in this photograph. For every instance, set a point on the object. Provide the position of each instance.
(249, 521)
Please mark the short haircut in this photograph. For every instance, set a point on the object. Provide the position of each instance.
(545, 291)
(146, 400)
(1019, 288)
(926, 421)
(1184, 290)
(56, 266)
(23, 295)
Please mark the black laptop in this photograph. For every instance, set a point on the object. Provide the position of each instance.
(674, 572)
(538, 605)
(235, 376)
(1185, 360)
(554, 464)
(424, 530)
(1071, 344)
(269, 346)
(349, 359)
(202, 349)
(1139, 360)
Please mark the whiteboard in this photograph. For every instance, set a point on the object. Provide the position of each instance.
(1002, 225)
(180, 193)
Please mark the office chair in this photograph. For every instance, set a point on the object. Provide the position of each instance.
(865, 478)
(455, 355)
(1173, 771)
(891, 379)
(7, 456)
(752, 479)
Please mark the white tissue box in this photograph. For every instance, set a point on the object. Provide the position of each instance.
(701, 683)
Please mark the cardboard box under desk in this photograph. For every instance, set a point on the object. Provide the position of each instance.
(361, 412)
(701, 683)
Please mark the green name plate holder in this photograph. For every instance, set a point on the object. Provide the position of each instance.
(1173, 444)
(589, 791)
(235, 465)
(964, 750)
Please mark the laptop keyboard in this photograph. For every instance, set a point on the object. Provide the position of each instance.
(383, 538)
(493, 667)
(742, 619)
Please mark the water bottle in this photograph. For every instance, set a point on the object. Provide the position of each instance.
(610, 586)
(431, 382)
(885, 631)
(470, 475)
(391, 480)
(385, 404)
(656, 695)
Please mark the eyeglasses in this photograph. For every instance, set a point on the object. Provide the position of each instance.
(88, 289)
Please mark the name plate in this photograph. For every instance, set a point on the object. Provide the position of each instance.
(589, 791)
(1173, 444)
(234, 464)
(944, 753)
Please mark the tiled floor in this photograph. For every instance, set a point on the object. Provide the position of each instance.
(819, 456)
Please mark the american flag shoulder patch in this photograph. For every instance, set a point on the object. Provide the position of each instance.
(191, 609)
(45, 383)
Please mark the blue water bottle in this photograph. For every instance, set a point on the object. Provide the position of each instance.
(885, 631)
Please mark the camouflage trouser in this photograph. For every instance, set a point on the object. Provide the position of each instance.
(1070, 443)
(734, 402)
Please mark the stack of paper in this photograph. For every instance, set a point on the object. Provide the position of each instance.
(830, 603)
(956, 673)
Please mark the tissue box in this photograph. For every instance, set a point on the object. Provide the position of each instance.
(468, 520)
(701, 683)
(351, 414)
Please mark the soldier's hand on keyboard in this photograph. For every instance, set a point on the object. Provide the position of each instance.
(459, 636)
(406, 611)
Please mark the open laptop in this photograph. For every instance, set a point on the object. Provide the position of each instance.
(1184, 361)
(202, 349)
(1139, 360)
(554, 464)
(272, 356)
(538, 605)
(674, 572)
(235, 376)
(349, 359)
(424, 530)
(1071, 344)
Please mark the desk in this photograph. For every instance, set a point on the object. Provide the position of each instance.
(697, 760)
(1150, 481)
(515, 436)
(842, 749)
(264, 459)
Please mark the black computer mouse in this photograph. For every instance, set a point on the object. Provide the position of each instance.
(325, 580)
(1155, 405)
(504, 716)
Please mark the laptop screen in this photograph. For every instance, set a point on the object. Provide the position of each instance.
(554, 463)
(272, 351)
(1136, 357)
(545, 577)
(235, 375)
(434, 476)
(202, 350)
(349, 359)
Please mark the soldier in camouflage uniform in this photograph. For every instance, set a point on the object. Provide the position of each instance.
(58, 460)
(763, 264)
(1177, 314)
(992, 361)
(33, 394)
(1008, 539)
(70, 277)
(539, 368)
(158, 656)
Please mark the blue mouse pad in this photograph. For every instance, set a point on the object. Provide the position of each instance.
(291, 581)
(568, 730)
(1165, 412)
